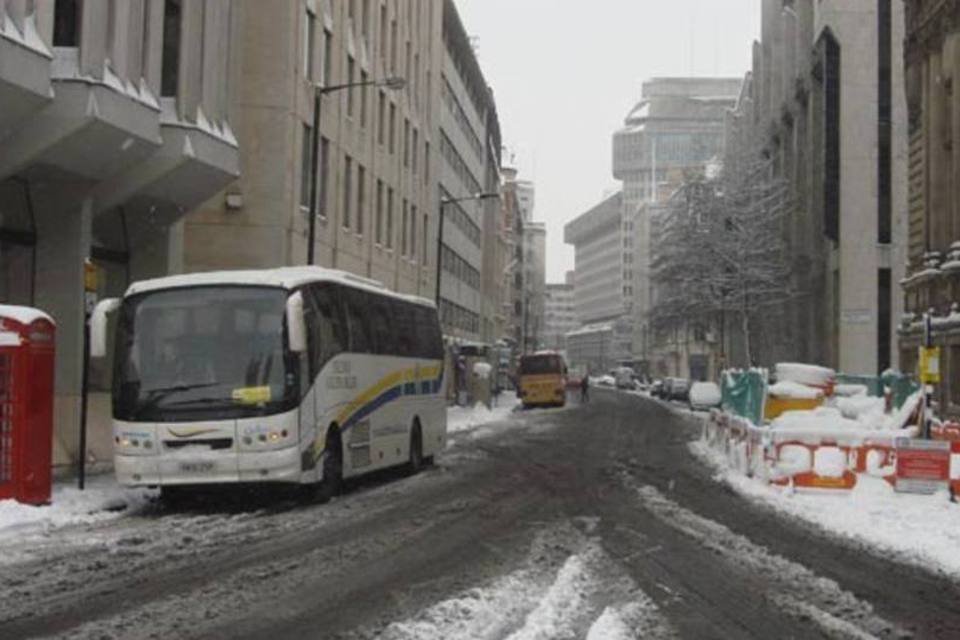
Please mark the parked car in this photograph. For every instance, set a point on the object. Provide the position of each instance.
(704, 395)
(677, 389)
(623, 377)
(656, 388)
(607, 381)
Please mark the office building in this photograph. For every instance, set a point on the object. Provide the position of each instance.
(114, 122)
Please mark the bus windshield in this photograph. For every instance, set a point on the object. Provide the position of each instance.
(542, 364)
(203, 352)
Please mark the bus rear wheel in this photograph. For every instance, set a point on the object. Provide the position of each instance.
(415, 463)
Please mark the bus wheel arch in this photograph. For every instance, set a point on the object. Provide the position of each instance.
(415, 459)
(332, 465)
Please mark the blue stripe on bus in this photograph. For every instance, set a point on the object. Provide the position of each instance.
(427, 387)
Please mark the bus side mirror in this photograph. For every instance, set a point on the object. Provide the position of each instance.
(296, 325)
(98, 326)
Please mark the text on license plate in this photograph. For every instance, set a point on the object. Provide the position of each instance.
(196, 467)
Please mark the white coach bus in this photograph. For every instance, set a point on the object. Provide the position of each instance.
(297, 375)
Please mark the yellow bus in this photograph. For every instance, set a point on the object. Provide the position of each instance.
(542, 379)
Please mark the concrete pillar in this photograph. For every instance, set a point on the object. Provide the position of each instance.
(159, 254)
(63, 243)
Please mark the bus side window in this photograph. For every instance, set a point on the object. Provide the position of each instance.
(383, 326)
(430, 338)
(326, 326)
(405, 324)
(358, 320)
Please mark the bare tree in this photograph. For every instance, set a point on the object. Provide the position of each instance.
(719, 251)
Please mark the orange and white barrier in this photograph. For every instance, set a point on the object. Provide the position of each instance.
(828, 459)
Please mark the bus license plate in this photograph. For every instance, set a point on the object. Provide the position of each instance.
(196, 467)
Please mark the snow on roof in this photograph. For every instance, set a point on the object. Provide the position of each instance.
(284, 277)
(23, 315)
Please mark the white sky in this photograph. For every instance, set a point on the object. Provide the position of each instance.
(565, 73)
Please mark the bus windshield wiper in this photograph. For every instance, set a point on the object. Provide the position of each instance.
(157, 394)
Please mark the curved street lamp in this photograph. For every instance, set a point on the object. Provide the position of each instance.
(394, 83)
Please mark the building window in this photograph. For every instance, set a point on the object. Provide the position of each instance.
(413, 232)
(423, 245)
(170, 64)
(390, 218)
(378, 220)
(324, 172)
(365, 19)
(884, 163)
(327, 57)
(830, 53)
(381, 117)
(66, 23)
(363, 98)
(350, 69)
(393, 45)
(393, 127)
(383, 33)
(347, 193)
(406, 142)
(361, 191)
(403, 228)
(306, 165)
(309, 28)
(884, 319)
(414, 145)
(426, 162)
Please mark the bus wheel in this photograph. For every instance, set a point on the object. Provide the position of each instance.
(173, 497)
(416, 449)
(332, 467)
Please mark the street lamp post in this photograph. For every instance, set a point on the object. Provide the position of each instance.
(444, 201)
(395, 83)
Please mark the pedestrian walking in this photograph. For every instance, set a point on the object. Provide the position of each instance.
(585, 388)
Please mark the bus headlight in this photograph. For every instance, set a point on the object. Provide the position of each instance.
(133, 444)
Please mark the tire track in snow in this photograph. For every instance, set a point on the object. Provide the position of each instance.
(587, 596)
(798, 590)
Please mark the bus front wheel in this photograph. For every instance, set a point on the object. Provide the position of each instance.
(332, 480)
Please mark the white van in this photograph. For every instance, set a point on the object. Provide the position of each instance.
(624, 378)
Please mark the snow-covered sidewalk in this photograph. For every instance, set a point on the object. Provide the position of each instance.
(460, 419)
(919, 529)
(102, 499)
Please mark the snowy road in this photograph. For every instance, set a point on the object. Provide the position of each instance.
(591, 522)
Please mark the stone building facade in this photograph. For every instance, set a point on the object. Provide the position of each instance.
(931, 56)
(559, 316)
(386, 157)
(675, 128)
(824, 105)
(115, 121)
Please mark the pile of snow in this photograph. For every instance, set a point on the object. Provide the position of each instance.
(819, 419)
(103, 499)
(924, 530)
(482, 370)
(809, 374)
(705, 394)
(850, 390)
(866, 409)
(794, 390)
(467, 418)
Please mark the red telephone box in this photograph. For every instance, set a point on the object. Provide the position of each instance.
(26, 404)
